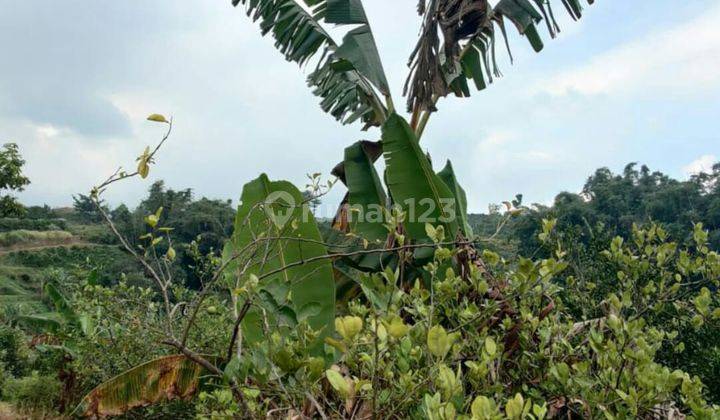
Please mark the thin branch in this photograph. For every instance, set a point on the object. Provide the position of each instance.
(236, 328)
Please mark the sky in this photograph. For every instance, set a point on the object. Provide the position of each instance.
(633, 81)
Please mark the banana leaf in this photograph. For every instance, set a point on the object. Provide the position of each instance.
(40, 323)
(413, 184)
(344, 75)
(163, 379)
(448, 177)
(270, 211)
(366, 194)
(62, 306)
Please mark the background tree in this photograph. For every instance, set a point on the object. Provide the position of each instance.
(86, 209)
(616, 202)
(11, 180)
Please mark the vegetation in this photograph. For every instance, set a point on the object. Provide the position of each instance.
(604, 305)
(614, 203)
(17, 237)
(11, 180)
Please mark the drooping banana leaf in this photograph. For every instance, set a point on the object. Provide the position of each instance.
(358, 48)
(448, 177)
(365, 191)
(359, 221)
(274, 229)
(524, 16)
(345, 74)
(163, 379)
(468, 29)
(62, 306)
(40, 323)
(413, 184)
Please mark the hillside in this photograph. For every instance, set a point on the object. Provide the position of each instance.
(34, 252)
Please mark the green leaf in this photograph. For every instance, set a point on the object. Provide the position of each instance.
(283, 272)
(143, 167)
(345, 91)
(514, 407)
(524, 16)
(472, 67)
(483, 408)
(160, 380)
(365, 190)
(396, 327)
(460, 208)
(152, 220)
(339, 383)
(438, 341)
(413, 184)
(40, 323)
(345, 12)
(359, 48)
(490, 346)
(348, 326)
(62, 306)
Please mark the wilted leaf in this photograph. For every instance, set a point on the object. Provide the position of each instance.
(163, 379)
(157, 118)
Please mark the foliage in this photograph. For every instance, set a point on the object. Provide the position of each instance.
(346, 75)
(31, 237)
(616, 202)
(11, 180)
(276, 252)
(13, 351)
(107, 264)
(159, 380)
(495, 345)
(36, 393)
(413, 184)
(86, 209)
(40, 212)
(8, 224)
(199, 226)
(457, 42)
(438, 327)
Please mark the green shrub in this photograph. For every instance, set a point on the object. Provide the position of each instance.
(13, 350)
(94, 233)
(8, 224)
(18, 237)
(110, 262)
(35, 393)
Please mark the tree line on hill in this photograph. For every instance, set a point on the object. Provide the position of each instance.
(613, 203)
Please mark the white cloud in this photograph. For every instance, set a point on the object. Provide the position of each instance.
(47, 131)
(683, 57)
(702, 164)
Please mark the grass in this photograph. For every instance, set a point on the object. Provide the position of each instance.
(25, 298)
(94, 233)
(33, 237)
(11, 287)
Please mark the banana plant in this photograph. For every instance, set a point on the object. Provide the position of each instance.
(457, 44)
(291, 279)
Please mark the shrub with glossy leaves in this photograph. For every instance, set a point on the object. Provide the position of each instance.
(487, 345)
